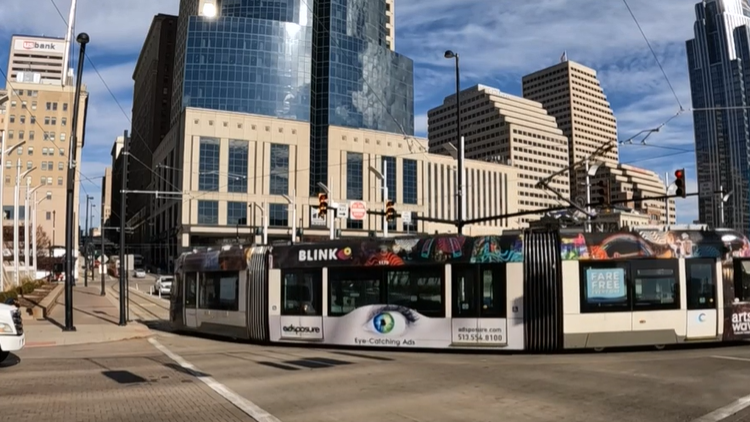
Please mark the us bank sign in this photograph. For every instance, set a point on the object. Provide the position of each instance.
(49, 46)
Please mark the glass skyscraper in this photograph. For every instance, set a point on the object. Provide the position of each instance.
(719, 68)
(326, 62)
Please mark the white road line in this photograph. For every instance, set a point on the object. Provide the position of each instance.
(731, 358)
(250, 408)
(726, 411)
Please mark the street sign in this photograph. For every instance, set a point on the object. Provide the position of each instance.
(406, 217)
(315, 219)
(706, 190)
(342, 211)
(358, 210)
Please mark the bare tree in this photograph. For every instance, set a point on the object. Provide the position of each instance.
(42, 242)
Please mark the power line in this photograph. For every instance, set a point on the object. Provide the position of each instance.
(653, 53)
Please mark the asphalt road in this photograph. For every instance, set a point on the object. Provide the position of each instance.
(133, 381)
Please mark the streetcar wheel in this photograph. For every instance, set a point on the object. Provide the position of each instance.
(598, 349)
(659, 347)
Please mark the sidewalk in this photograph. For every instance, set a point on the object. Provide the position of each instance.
(95, 318)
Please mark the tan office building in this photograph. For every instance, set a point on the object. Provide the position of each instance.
(36, 59)
(263, 154)
(107, 194)
(39, 115)
(632, 184)
(503, 128)
(390, 23)
(571, 93)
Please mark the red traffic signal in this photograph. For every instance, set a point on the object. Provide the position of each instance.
(679, 182)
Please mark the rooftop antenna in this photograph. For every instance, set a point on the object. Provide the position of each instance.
(67, 59)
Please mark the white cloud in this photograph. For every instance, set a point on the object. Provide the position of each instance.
(115, 26)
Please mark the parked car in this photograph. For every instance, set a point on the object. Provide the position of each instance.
(139, 273)
(163, 285)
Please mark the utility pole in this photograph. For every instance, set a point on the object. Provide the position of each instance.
(666, 190)
(85, 245)
(123, 195)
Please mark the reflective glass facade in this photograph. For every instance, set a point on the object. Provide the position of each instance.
(357, 80)
(354, 180)
(719, 72)
(237, 174)
(208, 167)
(279, 169)
(208, 212)
(410, 181)
(254, 58)
(236, 211)
(389, 163)
(278, 215)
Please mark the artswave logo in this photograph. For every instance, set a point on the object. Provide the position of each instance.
(741, 323)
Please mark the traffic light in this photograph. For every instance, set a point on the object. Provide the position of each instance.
(679, 182)
(322, 204)
(390, 211)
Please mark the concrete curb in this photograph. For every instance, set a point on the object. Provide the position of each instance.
(42, 310)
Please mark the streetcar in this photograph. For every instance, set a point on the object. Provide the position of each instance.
(518, 290)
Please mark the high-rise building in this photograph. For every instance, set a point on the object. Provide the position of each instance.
(115, 182)
(718, 63)
(325, 62)
(36, 59)
(503, 128)
(39, 115)
(152, 101)
(106, 196)
(571, 93)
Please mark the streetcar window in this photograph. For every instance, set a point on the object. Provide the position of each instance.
(493, 292)
(350, 289)
(655, 284)
(218, 291)
(742, 280)
(604, 287)
(464, 291)
(190, 290)
(701, 284)
(302, 292)
(420, 289)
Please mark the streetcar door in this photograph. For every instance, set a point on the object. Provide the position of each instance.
(702, 301)
(191, 299)
(466, 301)
(302, 304)
(479, 305)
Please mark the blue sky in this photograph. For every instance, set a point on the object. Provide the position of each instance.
(499, 41)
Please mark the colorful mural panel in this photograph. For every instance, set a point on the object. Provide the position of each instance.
(653, 244)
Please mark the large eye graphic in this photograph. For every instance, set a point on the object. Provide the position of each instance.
(390, 320)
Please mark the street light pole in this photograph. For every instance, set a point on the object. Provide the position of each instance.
(16, 200)
(292, 200)
(26, 211)
(70, 260)
(101, 259)
(460, 146)
(123, 195)
(85, 244)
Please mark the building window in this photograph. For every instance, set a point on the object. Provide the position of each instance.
(31, 150)
(354, 182)
(23, 119)
(31, 135)
(409, 190)
(12, 119)
(236, 211)
(29, 164)
(59, 181)
(238, 158)
(389, 163)
(20, 135)
(278, 215)
(279, 169)
(60, 165)
(208, 179)
(49, 180)
(208, 212)
(48, 216)
(64, 121)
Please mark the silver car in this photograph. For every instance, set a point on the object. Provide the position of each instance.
(139, 273)
(163, 285)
